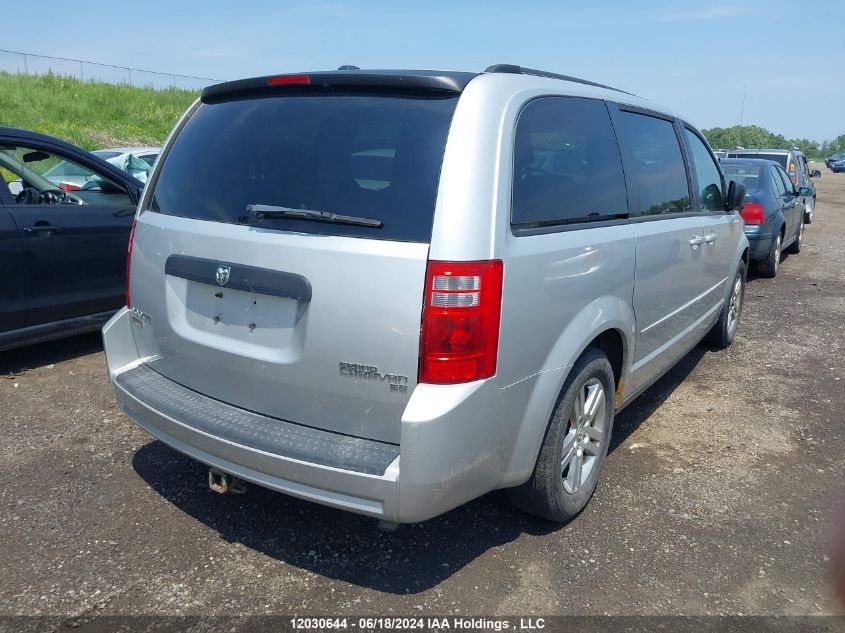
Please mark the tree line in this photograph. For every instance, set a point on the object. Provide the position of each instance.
(751, 136)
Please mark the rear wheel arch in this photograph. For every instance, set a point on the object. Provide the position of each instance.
(612, 343)
(612, 337)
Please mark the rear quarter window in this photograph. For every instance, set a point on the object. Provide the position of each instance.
(566, 165)
(376, 157)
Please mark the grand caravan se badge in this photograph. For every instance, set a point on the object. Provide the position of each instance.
(396, 383)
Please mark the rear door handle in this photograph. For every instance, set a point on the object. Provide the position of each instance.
(710, 238)
(696, 240)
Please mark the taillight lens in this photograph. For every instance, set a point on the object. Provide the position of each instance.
(68, 186)
(752, 213)
(462, 306)
(129, 263)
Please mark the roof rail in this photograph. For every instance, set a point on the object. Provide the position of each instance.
(519, 70)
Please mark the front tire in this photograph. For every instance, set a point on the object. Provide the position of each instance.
(769, 266)
(722, 334)
(575, 445)
(809, 210)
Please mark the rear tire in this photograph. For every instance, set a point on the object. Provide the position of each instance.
(575, 445)
(795, 247)
(722, 334)
(769, 266)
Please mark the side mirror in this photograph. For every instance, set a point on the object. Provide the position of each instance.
(15, 187)
(735, 199)
(815, 174)
(805, 192)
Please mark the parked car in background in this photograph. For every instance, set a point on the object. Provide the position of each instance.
(135, 161)
(773, 211)
(795, 164)
(405, 289)
(720, 153)
(62, 253)
(835, 158)
(838, 166)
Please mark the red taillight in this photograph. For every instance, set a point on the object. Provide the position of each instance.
(68, 186)
(288, 80)
(752, 213)
(462, 305)
(129, 263)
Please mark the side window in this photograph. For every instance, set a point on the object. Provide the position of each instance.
(788, 187)
(35, 176)
(777, 182)
(707, 176)
(566, 165)
(654, 166)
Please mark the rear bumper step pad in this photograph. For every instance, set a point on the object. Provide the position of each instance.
(253, 430)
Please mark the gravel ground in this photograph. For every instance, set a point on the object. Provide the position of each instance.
(715, 499)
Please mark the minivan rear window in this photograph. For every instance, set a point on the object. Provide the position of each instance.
(366, 156)
(778, 158)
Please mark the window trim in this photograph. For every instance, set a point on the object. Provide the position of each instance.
(563, 225)
(616, 109)
(687, 127)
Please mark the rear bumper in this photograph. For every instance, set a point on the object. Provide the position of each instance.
(760, 239)
(441, 469)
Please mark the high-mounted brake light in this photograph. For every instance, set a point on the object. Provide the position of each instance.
(462, 307)
(288, 80)
(752, 213)
(129, 263)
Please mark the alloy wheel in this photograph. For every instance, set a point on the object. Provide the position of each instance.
(735, 306)
(582, 444)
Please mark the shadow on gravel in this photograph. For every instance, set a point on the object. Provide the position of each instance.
(647, 403)
(32, 356)
(333, 543)
(347, 547)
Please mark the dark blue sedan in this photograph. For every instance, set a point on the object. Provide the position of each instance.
(62, 245)
(773, 211)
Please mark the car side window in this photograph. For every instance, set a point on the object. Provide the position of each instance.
(707, 176)
(777, 182)
(35, 176)
(566, 165)
(654, 166)
(788, 187)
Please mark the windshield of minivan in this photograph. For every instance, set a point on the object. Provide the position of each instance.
(366, 156)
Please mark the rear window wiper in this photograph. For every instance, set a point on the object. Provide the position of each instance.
(262, 211)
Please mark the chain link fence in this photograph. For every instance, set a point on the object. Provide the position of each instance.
(17, 62)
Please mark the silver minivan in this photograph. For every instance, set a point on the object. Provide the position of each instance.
(394, 291)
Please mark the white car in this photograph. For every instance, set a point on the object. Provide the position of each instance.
(135, 161)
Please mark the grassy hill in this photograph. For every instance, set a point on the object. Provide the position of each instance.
(91, 115)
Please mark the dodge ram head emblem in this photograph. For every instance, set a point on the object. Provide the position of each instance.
(223, 275)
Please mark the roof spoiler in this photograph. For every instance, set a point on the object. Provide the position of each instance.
(434, 84)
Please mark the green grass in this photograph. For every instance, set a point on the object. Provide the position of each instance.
(91, 115)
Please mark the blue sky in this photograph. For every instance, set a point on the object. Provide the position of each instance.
(695, 57)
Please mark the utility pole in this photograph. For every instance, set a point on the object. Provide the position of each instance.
(742, 113)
